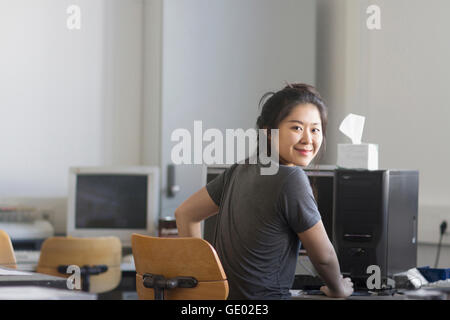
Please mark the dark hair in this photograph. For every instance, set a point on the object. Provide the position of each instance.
(278, 105)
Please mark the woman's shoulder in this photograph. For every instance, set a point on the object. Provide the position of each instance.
(293, 171)
(284, 174)
(294, 177)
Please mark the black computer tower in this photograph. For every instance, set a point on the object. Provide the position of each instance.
(375, 222)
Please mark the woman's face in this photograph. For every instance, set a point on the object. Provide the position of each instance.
(300, 135)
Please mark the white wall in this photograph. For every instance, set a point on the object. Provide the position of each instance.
(152, 78)
(397, 77)
(123, 74)
(68, 98)
(408, 100)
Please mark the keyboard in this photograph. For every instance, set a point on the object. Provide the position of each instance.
(27, 256)
(27, 260)
(127, 263)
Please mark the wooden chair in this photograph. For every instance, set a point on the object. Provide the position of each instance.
(7, 257)
(188, 268)
(99, 260)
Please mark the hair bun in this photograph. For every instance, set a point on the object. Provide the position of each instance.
(303, 86)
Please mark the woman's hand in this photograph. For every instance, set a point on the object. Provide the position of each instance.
(345, 291)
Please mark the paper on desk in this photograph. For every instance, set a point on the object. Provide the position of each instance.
(12, 272)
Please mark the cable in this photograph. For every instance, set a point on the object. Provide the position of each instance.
(442, 227)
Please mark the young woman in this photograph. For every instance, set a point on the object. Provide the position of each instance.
(263, 218)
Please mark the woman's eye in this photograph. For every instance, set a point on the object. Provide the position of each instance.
(297, 128)
(316, 130)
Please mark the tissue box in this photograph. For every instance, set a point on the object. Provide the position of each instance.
(358, 156)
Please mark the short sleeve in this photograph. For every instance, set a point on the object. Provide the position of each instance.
(297, 203)
(215, 188)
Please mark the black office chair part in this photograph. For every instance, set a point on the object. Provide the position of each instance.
(86, 272)
(159, 283)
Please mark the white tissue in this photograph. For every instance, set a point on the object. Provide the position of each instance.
(356, 155)
(352, 126)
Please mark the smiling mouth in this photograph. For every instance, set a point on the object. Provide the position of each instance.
(303, 151)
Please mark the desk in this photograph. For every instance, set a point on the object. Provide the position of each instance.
(42, 293)
(421, 294)
(32, 279)
(299, 295)
(126, 290)
(19, 285)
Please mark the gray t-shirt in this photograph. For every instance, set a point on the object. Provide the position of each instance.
(258, 222)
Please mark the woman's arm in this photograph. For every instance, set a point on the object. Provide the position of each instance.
(191, 212)
(323, 257)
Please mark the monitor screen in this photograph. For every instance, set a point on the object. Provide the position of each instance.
(111, 201)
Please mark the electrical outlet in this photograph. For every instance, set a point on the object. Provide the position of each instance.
(444, 227)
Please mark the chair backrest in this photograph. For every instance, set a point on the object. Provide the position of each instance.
(176, 257)
(7, 257)
(65, 251)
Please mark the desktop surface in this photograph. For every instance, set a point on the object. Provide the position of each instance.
(42, 293)
(12, 277)
(315, 295)
(27, 260)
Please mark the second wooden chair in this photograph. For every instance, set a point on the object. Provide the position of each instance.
(7, 257)
(98, 259)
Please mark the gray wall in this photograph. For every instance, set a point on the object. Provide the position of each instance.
(67, 98)
(397, 78)
(219, 57)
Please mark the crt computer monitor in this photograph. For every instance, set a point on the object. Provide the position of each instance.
(113, 201)
(322, 182)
